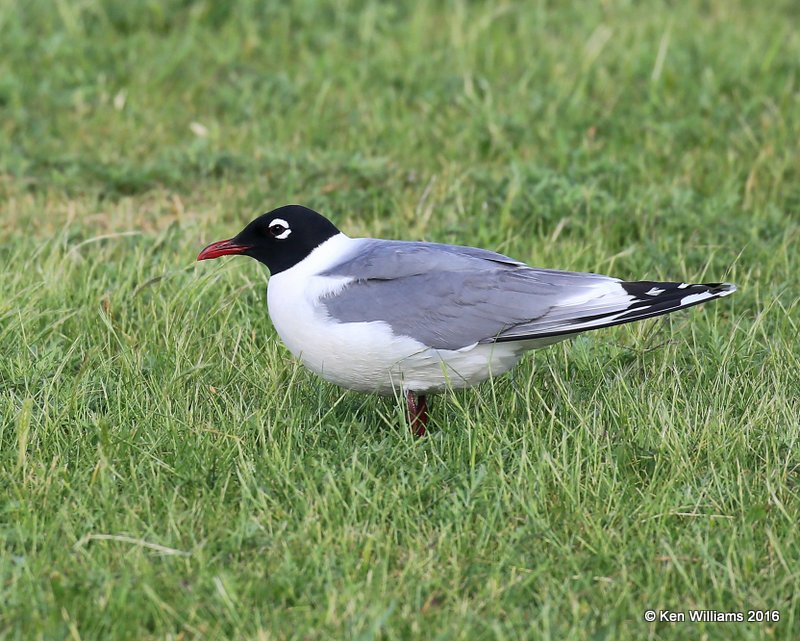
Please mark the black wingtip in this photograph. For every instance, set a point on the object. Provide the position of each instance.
(651, 298)
(723, 289)
(648, 291)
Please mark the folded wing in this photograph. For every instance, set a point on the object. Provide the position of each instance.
(450, 297)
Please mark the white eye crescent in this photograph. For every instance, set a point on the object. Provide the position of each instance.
(279, 229)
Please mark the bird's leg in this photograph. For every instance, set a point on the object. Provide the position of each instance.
(417, 413)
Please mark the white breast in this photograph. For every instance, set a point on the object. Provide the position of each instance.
(367, 356)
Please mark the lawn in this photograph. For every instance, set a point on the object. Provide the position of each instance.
(168, 471)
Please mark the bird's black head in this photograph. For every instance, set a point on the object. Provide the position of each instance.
(279, 239)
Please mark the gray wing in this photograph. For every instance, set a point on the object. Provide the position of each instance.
(449, 297)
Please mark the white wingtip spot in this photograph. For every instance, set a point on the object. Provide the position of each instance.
(694, 298)
(654, 291)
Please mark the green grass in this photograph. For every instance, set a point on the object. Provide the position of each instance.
(167, 471)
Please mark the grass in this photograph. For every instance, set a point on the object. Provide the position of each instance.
(169, 472)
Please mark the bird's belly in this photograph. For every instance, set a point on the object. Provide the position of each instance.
(369, 357)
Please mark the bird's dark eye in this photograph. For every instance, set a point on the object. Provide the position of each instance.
(279, 229)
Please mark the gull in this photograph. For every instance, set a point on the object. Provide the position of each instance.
(379, 316)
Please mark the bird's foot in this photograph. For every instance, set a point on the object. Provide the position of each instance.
(417, 413)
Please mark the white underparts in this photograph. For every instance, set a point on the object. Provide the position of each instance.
(368, 356)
